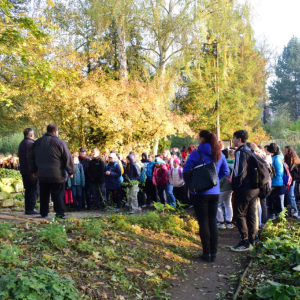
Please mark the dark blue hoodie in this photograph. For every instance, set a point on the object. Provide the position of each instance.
(194, 160)
(112, 181)
(134, 173)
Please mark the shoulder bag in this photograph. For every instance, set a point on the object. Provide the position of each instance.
(202, 177)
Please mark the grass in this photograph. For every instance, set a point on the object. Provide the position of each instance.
(135, 257)
(275, 272)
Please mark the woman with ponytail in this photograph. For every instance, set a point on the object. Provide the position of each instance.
(206, 203)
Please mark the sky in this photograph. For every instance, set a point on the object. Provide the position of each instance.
(278, 20)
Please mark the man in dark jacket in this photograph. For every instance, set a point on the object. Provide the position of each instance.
(31, 184)
(85, 162)
(96, 176)
(245, 192)
(51, 162)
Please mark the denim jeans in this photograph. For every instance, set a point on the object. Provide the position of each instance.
(206, 207)
(170, 195)
(291, 199)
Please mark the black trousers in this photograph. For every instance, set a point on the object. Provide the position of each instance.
(180, 194)
(274, 201)
(244, 209)
(151, 191)
(86, 197)
(57, 192)
(206, 207)
(31, 186)
(264, 211)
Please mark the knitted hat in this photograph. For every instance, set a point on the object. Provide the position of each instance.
(113, 155)
(158, 160)
(272, 148)
(82, 149)
(177, 161)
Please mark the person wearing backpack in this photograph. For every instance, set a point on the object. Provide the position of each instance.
(206, 203)
(292, 160)
(225, 195)
(276, 197)
(245, 192)
(160, 178)
(176, 180)
(132, 175)
(150, 189)
(77, 182)
(112, 175)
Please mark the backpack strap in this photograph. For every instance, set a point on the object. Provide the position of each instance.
(180, 172)
(171, 172)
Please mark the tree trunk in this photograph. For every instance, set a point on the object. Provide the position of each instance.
(155, 146)
(122, 54)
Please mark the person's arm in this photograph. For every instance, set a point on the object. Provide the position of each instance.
(224, 170)
(154, 177)
(68, 159)
(191, 161)
(31, 160)
(240, 168)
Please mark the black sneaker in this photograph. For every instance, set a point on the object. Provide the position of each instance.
(242, 246)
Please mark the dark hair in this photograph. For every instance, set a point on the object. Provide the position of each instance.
(259, 146)
(52, 127)
(291, 157)
(211, 138)
(242, 134)
(28, 132)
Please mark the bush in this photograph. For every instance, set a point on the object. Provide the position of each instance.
(11, 143)
(36, 284)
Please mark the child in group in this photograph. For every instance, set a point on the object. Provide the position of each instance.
(225, 196)
(160, 179)
(176, 180)
(150, 189)
(184, 153)
(77, 182)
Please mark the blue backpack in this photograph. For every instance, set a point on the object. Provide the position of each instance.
(143, 175)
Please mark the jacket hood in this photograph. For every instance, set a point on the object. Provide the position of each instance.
(205, 148)
(146, 157)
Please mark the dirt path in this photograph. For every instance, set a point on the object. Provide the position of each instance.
(217, 280)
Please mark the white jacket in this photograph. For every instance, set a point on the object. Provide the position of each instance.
(174, 177)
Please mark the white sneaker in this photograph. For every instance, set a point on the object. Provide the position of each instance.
(229, 225)
(222, 226)
(139, 209)
(144, 205)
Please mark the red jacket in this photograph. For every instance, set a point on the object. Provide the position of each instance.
(160, 176)
(184, 154)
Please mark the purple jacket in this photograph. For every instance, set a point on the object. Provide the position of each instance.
(194, 160)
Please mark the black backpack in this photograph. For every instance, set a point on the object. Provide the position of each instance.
(262, 174)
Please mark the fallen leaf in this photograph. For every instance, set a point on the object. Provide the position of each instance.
(133, 270)
(120, 298)
(19, 275)
(149, 273)
(144, 262)
(83, 288)
(168, 267)
(97, 283)
(100, 263)
(85, 260)
(66, 250)
(112, 241)
(103, 295)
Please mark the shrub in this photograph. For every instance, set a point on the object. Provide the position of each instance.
(36, 284)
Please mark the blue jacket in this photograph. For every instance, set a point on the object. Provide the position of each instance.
(277, 162)
(78, 177)
(112, 181)
(194, 160)
(150, 169)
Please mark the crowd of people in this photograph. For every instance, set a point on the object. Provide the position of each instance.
(96, 180)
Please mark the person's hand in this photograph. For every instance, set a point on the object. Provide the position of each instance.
(34, 174)
(107, 173)
(71, 176)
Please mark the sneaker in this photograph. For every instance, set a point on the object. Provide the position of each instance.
(117, 210)
(133, 212)
(139, 209)
(191, 206)
(242, 246)
(229, 225)
(126, 204)
(61, 217)
(256, 240)
(143, 206)
(222, 226)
